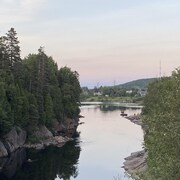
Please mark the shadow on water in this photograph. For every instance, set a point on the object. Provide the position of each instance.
(9, 165)
(106, 108)
(44, 165)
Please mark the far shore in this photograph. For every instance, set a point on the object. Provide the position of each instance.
(120, 104)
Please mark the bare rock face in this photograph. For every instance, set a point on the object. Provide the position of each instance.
(21, 139)
(71, 126)
(3, 151)
(136, 162)
(43, 133)
(67, 128)
(12, 141)
(136, 119)
(58, 128)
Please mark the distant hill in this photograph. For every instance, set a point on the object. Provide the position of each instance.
(140, 83)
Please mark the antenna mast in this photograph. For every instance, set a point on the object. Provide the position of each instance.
(160, 69)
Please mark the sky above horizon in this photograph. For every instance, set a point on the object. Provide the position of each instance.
(106, 41)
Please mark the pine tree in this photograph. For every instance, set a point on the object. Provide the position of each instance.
(33, 113)
(48, 110)
(5, 110)
(13, 48)
(4, 60)
(70, 88)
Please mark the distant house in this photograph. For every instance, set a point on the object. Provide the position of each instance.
(142, 92)
(97, 94)
(129, 92)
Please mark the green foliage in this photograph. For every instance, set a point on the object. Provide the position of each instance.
(113, 93)
(33, 91)
(70, 88)
(162, 126)
(48, 110)
(58, 107)
(12, 48)
(33, 113)
(5, 111)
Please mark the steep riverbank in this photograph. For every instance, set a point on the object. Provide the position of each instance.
(18, 138)
(136, 163)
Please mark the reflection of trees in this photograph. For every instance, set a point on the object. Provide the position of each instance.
(106, 108)
(51, 162)
(12, 163)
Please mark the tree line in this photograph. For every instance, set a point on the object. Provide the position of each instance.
(162, 128)
(33, 91)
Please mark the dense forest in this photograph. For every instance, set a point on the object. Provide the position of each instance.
(33, 91)
(162, 128)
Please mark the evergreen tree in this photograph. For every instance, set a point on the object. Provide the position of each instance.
(33, 91)
(13, 48)
(4, 60)
(58, 107)
(5, 110)
(70, 88)
(20, 107)
(33, 113)
(48, 110)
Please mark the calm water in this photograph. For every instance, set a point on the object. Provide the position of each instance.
(106, 139)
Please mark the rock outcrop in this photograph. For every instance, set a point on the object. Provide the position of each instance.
(136, 119)
(136, 163)
(58, 128)
(12, 141)
(67, 128)
(43, 133)
(3, 151)
(62, 131)
(16, 138)
(71, 126)
(58, 141)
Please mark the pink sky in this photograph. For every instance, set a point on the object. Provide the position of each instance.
(105, 41)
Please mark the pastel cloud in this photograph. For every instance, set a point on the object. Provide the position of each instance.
(103, 40)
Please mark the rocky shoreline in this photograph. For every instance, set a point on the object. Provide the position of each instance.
(136, 163)
(57, 141)
(14, 144)
(17, 137)
(136, 119)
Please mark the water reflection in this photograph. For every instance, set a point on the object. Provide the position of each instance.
(9, 165)
(106, 138)
(107, 108)
(48, 164)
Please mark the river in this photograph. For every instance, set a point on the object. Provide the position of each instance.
(105, 140)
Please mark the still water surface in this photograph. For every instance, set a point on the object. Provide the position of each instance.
(106, 139)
